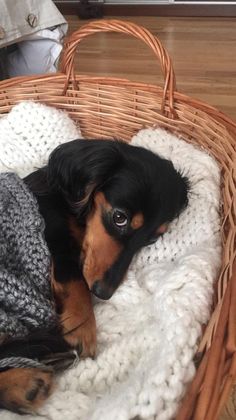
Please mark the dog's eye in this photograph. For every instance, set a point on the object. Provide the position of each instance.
(120, 219)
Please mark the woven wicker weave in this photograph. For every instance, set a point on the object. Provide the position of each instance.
(110, 107)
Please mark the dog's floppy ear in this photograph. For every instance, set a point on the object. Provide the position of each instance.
(78, 168)
(173, 193)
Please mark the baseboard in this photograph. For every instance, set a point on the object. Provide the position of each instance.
(185, 10)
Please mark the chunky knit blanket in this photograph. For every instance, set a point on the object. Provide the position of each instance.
(29, 133)
(25, 298)
(148, 331)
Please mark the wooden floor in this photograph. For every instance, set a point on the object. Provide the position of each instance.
(203, 51)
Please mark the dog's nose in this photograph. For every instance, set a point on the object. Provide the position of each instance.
(100, 290)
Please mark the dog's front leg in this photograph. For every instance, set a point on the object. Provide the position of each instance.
(75, 309)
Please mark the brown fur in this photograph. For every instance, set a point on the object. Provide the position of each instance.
(24, 389)
(162, 229)
(137, 221)
(100, 250)
(76, 315)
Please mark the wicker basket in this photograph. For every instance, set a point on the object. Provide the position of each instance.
(110, 107)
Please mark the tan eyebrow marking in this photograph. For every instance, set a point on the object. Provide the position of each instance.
(137, 221)
(163, 228)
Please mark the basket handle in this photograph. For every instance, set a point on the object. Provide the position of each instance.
(129, 28)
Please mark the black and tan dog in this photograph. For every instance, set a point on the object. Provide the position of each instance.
(101, 201)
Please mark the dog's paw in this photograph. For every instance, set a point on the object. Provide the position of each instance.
(23, 390)
(81, 336)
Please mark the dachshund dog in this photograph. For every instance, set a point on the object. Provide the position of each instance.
(102, 201)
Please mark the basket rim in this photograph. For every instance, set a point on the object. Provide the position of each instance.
(116, 81)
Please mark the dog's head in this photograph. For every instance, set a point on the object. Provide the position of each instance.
(125, 195)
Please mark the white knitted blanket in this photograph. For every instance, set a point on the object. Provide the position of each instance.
(29, 133)
(148, 331)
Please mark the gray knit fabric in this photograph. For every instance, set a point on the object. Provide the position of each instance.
(17, 362)
(25, 295)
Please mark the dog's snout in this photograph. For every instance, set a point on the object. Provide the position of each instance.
(101, 291)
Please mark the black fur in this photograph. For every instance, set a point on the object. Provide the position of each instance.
(132, 179)
(36, 345)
